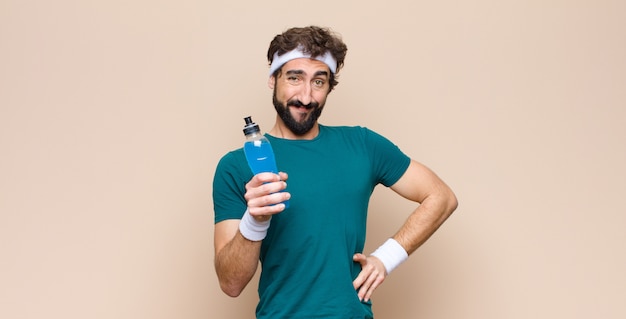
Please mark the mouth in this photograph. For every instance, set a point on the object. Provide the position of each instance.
(301, 111)
(302, 108)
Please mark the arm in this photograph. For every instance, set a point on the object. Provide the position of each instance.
(237, 258)
(437, 202)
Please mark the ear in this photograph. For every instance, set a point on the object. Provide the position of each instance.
(271, 82)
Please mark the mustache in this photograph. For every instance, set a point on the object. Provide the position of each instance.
(298, 103)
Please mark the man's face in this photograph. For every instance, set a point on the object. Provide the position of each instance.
(300, 92)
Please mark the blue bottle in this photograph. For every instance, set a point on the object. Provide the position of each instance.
(258, 150)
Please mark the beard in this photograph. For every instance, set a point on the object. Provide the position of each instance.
(299, 128)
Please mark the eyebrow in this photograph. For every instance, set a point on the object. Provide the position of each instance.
(300, 72)
(324, 73)
(292, 72)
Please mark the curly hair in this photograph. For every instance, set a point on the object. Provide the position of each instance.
(315, 41)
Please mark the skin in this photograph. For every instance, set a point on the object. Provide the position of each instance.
(237, 258)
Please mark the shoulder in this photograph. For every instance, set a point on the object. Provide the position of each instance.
(347, 130)
(355, 133)
(233, 162)
(233, 155)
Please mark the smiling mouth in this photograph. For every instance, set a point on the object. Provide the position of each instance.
(302, 108)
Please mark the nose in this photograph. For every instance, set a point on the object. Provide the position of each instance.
(305, 94)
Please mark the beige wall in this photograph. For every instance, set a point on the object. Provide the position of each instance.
(113, 115)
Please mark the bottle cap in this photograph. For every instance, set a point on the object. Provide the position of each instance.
(250, 127)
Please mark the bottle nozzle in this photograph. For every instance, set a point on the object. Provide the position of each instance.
(250, 127)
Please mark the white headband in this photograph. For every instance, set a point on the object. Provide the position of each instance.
(297, 53)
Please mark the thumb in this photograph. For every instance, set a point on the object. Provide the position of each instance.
(360, 258)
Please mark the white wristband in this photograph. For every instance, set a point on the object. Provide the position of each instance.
(391, 253)
(253, 229)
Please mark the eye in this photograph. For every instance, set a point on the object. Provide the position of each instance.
(318, 83)
(293, 79)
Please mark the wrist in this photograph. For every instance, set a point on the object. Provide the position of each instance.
(252, 229)
(391, 254)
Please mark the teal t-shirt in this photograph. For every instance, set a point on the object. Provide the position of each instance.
(306, 258)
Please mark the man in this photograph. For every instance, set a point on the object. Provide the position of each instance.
(311, 252)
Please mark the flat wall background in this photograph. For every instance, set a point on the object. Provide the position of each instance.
(113, 115)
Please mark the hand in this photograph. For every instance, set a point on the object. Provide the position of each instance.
(264, 194)
(371, 276)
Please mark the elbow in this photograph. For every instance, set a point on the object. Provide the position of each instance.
(232, 281)
(446, 201)
(232, 293)
(231, 290)
(231, 286)
(452, 202)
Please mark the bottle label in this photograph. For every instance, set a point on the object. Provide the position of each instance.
(260, 157)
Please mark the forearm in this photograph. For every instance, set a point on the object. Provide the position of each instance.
(425, 220)
(236, 264)
(238, 241)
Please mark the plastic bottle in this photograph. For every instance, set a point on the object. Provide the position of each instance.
(258, 150)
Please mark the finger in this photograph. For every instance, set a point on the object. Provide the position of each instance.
(268, 210)
(265, 177)
(283, 176)
(253, 192)
(270, 188)
(269, 201)
(365, 288)
(378, 280)
(358, 281)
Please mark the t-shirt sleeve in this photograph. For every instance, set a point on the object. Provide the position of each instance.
(231, 175)
(388, 161)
